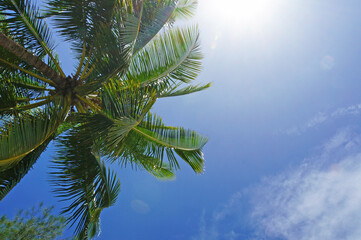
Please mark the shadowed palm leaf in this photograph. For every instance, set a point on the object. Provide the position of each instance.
(12, 176)
(83, 179)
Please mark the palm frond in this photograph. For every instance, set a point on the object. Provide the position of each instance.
(79, 21)
(25, 26)
(9, 178)
(115, 142)
(123, 109)
(28, 86)
(171, 56)
(176, 91)
(147, 145)
(132, 102)
(83, 180)
(162, 139)
(7, 95)
(155, 16)
(132, 151)
(184, 9)
(29, 131)
(130, 138)
(19, 92)
(110, 57)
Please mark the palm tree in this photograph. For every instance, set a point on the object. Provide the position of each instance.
(129, 53)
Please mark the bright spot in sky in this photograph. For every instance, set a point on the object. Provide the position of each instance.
(327, 62)
(140, 207)
(249, 13)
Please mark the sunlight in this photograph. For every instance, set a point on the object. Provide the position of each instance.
(242, 13)
(232, 20)
(247, 11)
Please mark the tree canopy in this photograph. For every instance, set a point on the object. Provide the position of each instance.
(36, 223)
(129, 53)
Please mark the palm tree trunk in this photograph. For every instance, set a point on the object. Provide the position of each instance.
(29, 58)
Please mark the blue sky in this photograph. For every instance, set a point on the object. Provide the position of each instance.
(283, 118)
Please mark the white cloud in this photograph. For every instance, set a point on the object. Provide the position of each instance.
(351, 110)
(318, 119)
(322, 117)
(319, 200)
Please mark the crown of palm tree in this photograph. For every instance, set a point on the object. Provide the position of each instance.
(129, 54)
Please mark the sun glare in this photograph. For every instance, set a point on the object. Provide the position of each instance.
(248, 11)
(243, 13)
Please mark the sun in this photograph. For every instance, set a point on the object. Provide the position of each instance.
(248, 11)
(242, 13)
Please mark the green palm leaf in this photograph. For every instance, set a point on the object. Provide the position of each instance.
(80, 19)
(150, 138)
(115, 142)
(133, 101)
(19, 89)
(9, 178)
(7, 95)
(155, 15)
(123, 108)
(25, 26)
(177, 91)
(132, 151)
(110, 57)
(185, 9)
(24, 134)
(173, 55)
(81, 178)
(83, 21)
(162, 139)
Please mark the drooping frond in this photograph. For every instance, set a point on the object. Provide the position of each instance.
(125, 109)
(155, 15)
(10, 177)
(132, 152)
(115, 142)
(26, 83)
(176, 90)
(184, 9)
(27, 132)
(161, 139)
(173, 55)
(83, 180)
(147, 145)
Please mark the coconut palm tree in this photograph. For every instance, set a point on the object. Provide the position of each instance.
(129, 54)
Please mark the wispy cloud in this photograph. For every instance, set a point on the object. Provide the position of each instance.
(223, 223)
(322, 117)
(319, 200)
